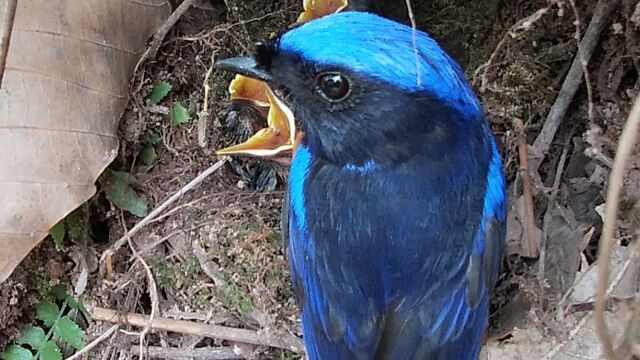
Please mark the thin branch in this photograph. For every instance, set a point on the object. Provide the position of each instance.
(414, 39)
(526, 188)
(209, 353)
(584, 62)
(579, 325)
(153, 294)
(8, 15)
(162, 32)
(266, 337)
(94, 343)
(625, 149)
(180, 193)
(522, 24)
(203, 115)
(551, 204)
(600, 18)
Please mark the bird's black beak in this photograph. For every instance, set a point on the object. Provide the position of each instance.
(246, 66)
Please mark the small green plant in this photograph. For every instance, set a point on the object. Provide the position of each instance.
(159, 91)
(72, 226)
(148, 153)
(58, 328)
(231, 297)
(117, 186)
(179, 114)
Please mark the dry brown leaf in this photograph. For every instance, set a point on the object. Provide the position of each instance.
(627, 286)
(65, 87)
(516, 241)
(573, 338)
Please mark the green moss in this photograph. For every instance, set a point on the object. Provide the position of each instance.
(177, 275)
(233, 298)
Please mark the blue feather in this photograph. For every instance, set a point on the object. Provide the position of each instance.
(368, 165)
(388, 54)
(299, 169)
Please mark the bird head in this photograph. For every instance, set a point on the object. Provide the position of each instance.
(358, 88)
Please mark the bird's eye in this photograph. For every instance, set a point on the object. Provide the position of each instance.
(333, 86)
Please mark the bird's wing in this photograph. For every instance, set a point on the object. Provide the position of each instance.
(448, 322)
(447, 327)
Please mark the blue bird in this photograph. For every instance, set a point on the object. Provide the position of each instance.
(396, 215)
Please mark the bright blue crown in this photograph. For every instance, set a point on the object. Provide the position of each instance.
(383, 49)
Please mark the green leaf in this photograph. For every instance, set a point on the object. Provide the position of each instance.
(122, 176)
(57, 233)
(47, 312)
(59, 291)
(122, 195)
(179, 114)
(33, 336)
(15, 352)
(75, 223)
(78, 304)
(159, 91)
(51, 351)
(148, 155)
(69, 332)
(154, 138)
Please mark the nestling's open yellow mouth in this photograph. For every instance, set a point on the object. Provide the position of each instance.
(277, 140)
(278, 137)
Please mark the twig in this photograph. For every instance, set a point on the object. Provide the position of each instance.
(162, 32)
(414, 39)
(625, 148)
(579, 325)
(94, 343)
(585, 64)
(265, 337)
(209, 353)
(158, 242)
(6, 28)
(526, 188)
(153, 294)
(623, 270)
(180, 193)
(203, 115)
(522, 24)
(601, 13)
(209, 267)
(551, 203)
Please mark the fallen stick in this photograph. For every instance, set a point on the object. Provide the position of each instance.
(162, 32)
(526, 189)
(264, 337)
(208, 353)
(591, 37)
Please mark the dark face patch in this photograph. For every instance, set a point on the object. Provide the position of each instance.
(373, 121)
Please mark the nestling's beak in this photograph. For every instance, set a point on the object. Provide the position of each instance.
(277, 139)
(314, 9)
